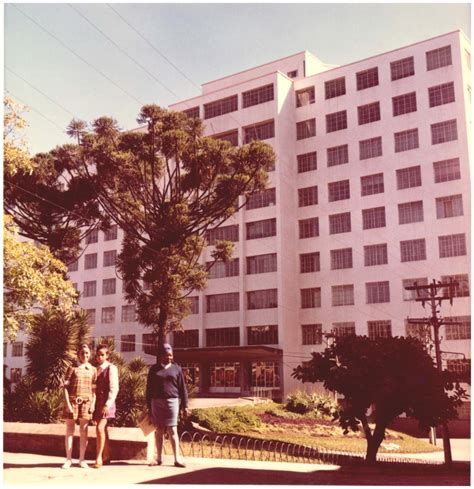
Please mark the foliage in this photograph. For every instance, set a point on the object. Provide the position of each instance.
(32, 279)
(225, 420)
(389, 376)
(52, 346)
(302, 402)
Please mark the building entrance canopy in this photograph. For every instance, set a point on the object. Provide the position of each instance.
(228, 354)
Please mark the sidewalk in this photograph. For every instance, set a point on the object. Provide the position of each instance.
(37, 470)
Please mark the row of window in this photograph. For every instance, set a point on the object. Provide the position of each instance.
(109, 235)
(91, 261)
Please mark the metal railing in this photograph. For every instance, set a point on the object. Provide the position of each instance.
(197, 444)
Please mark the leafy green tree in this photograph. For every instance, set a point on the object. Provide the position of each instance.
(388, 376)
(166, 185)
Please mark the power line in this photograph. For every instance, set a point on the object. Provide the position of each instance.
(77, 55)
(152, 46)
(123, 51)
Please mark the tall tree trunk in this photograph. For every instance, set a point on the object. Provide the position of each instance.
(374, 442)
(161, 331)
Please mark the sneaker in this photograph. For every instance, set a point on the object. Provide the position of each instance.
(83, 465)
(67, 464)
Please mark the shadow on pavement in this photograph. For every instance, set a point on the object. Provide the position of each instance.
(367, 476)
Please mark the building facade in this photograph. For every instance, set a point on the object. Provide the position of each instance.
(370, 193)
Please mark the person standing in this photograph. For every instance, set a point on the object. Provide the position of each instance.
(166, 395)
(79, 396)
(106, 393)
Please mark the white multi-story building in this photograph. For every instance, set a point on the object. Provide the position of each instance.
(370, 193)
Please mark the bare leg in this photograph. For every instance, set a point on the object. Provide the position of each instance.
(101, 438)
(106, 453)
(159, 432)
(174, 439)
(69, 437)
(83, 425)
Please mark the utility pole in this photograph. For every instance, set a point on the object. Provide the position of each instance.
(434, 294)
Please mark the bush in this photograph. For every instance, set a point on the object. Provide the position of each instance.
(321, 405)
(225, 420)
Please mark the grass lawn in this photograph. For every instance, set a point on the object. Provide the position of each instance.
(276, 423)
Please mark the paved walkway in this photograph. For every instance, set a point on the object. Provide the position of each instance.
(39, 470)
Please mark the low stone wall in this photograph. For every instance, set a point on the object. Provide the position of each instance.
(48, 439)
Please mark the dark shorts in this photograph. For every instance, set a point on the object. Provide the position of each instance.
(164, 412)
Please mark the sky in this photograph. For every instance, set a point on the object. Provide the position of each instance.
(89, 60)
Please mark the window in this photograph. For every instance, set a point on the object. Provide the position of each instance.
(311, 298)
(443, 132)
(223, 233)
(129, 314)
(312, 334)
(462, 287)
(262, 335)
(192, 113)
(262, 299)
(188, 338)
(460, 366)
(265, 374)
(452, 245)
(15, 375)
(410, 212)
(420, 331)
(149, 343)
(90, 261)
(90, 316)
(264, 198)
(305, 96)
(340, 223)
(127, 342)
(413, 250)
(220, 107)
(450, 206)
(377, 292)
(17, 349)
(338, 155)
(379, 329)
(447, 170)
(339, 191)
(222, 337)
(193, 305)
(344, 329)
(341, 258)
(307, 162)
(411, 295)
(403, 104)
(90, 289)
(402, 68)
(111, 233)
(108, 315)
(335, 88)
(370, 148)
(307, 196)
(441, 94)
(109, 258)
(262, 263)
(108, 286)
(220, 269)
(437, 58)
(336, 121)
(367, 78)
(261, 229)
(461, 331)
(308, 228)
(310, 262)
(409, 177)
(73, 266)
(223, 302)
(371, 184)
(342, 295)
(257, 96)
(231, 136)
(375, 255)
(306, 129)
(406, 140)
(373, 218)
(259, 132)
(368, 113)
(5, 349)
(292, 74)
